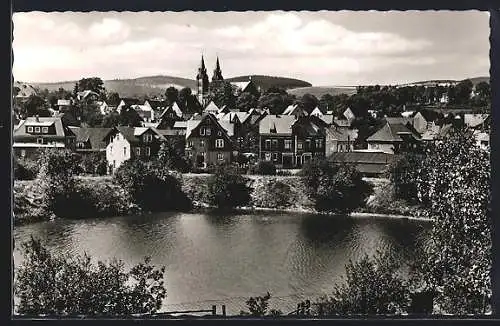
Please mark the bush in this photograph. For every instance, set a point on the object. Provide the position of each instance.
(151, 186)
(372, 287)
(94, 163)
(25, 169)
(271, 193)
(404, 172)
(171, 155)
(335, 188)
(284, 173)
(227, 189)
(263, 168)
(258, 307)
(61, 285)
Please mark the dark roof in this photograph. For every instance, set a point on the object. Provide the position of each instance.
(61, 129)
(392, 132)
(156, 104)
(430, 115)
(132, 134)
(130, 101)
(95, 136)
(309, 126)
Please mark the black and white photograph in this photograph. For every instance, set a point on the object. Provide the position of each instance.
(251, 164)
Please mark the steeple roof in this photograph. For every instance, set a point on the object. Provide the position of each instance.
(217, 71)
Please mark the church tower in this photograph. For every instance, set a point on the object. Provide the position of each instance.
(202, 83)
(217, 72)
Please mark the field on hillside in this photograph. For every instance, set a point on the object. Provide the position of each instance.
(319, 91)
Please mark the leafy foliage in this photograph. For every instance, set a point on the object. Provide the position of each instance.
(459, 255)
(403, 174)
(264, 168)
(258, 307)
(94, 84)
(372, 286)
(276, 100)
(171, 155)
(227, 189)
(25, 169)
(58, 285)
(335, 188)
(151, 186)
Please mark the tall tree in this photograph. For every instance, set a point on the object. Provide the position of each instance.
(94, 84)
(113, 99)
(246, 101)
(275, 99)
(184, 95)
(172, 95)
(308, 102)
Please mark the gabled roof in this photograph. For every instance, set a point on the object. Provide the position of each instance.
(132, 134)
(398, 120)
(94, 135)
(429, 115)
(308, 126)
(241, 85)
(341, 134)
(277, 124)
(327, 118)
(317, 112)
(228, 126)
(155, 104)
(391, 132)
(127, 101)
(196, 120)
(211, 107)
(295, 110)
(61, 129)
(175, 108)
(180, 124)
(85, 93)
(342, 122)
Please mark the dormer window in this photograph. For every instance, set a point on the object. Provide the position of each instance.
(45, 130)
(39, 140)
(148, 138)
(30, 129)
(208, 132)
(37, 130)
(202, 131)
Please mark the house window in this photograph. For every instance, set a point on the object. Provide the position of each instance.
(45, 130)
(23, 152)
(124, 151)
(219, 143)
(219, 133)
(319, 143)
(190, 143)
(148, 151)
(202, 131)
(288, 143)
(80, 144)
(299, 145)
(202, 143)
(268, 156)
(275, 144)
(148, 138)
(308, 144)
(39, 140)
(30, 129)
(267, 144)
(190, 154)
(138, 151)
(220, 156)
(37, 130)
(275, 156)
(208, 131)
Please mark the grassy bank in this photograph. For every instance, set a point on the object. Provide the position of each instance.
(270, 193)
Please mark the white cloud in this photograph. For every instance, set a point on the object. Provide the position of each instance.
(62, 46)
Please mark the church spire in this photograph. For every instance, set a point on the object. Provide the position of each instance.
(202, 82)
(217, 71)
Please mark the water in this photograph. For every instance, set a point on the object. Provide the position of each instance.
(224, 259)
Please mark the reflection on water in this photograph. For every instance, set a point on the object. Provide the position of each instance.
(228, 258)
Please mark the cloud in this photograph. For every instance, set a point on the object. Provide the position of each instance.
(315, 47)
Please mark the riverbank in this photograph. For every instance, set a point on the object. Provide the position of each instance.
(270, 193)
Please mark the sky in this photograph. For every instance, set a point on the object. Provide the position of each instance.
(324, 48)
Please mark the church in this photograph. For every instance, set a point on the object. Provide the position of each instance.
(205, 89)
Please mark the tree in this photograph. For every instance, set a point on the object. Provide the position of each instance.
(246, 101)
(184, 97)
(258, 307)
(372, 287)
(63, 285)
(34, 105)
(459, 262)
(308, 102)
(222, 94)
(110, 120)
(227, 189)
(151, 186)
(94, 84)
(171, 155)
(276, 100)
(264, 168)
(172, 95)
(334, 188)
(460, 94)
(404, 172)
(113, 99)
(90, 114)
(129, 117)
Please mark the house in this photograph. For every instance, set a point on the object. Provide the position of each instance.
(87, 96)
(349, 114)
(339, 139)
(104, 108)
(63, 105)
(246, 86)
(436, 133)
(276, 140)
(169, 116)
(146, 113)
(482, 139)
(342, 122)
(127, 102)
(295, 110)
(310, 139)
(475, 121)
(207, 141)
(316, 112)
(396, 135)
(90, 140)
(211, 108)
(425, 119)
(124, 143)
(368, 163)
(35, 133)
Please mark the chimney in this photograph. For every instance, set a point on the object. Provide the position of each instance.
(37, 118)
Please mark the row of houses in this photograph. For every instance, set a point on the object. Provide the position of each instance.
(220, 135)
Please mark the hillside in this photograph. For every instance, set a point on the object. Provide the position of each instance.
(265, 82)
(474, 80)
(319, 91)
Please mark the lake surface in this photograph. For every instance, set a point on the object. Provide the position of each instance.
(214, 258)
